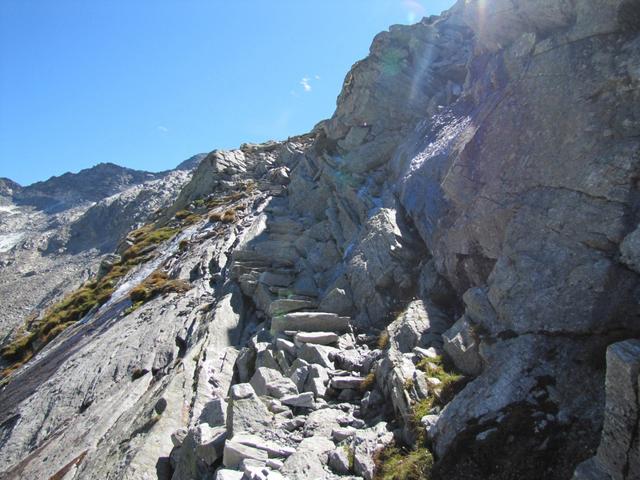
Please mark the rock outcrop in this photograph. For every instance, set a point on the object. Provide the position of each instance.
(431, 279)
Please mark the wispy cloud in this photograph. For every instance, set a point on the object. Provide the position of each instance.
(162, 128)
(306, 86)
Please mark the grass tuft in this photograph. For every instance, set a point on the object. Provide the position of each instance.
(351, 456)
(393, 463)
(92, 294)
(156, 284)
(383, 340)
(452, 382)
(228, 216)
(369, 382)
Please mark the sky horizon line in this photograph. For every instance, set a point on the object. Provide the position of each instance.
(147, 88)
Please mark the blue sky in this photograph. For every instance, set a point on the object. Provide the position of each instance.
(148, 83)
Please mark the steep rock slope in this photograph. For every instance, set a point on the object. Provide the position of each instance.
(442, 264)
(53, 234)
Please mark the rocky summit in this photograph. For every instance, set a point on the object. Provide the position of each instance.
(441, 281)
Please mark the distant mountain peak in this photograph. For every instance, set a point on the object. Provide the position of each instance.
(87, 185)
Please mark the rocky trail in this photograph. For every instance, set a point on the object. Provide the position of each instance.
(440, 281)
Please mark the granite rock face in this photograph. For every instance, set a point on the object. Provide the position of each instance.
(455, 251)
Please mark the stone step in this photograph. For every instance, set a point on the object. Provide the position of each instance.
(311, 322)
(283, 306)
(347, 382)
(319, 338)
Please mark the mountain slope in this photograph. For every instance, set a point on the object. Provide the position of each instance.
(433, 283)
(55, 233)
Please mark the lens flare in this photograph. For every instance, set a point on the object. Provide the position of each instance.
(479, 7)
(415, 10)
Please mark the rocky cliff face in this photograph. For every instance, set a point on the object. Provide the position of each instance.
(425, 286)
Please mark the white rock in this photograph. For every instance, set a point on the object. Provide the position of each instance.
(273, 475)
(177, 437)
(275, 463)
(235, 453)
(285, 346)
(214, 412)
(309, 460)
(252, 463)
(299, 377)
(434, 382)
(340, 434)
(301, 400)
(267, 381)
(276, 406)
(429, 422)
(317, 380)
(319, 338)
(430, 352)
(241, 391)
(339, 461)
(320, 354)
(461, 345)
(351, 382)
(226, 474)
(246, 413)
(272, 448)
(210, 443)
(255, 473)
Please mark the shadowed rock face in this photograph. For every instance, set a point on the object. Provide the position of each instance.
(474, 196)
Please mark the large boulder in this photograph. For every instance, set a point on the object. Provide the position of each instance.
(270, 382)
(419, 325)
(201, 447)
(462, 344)
(246, 412)
(235, 453)
(309, 460)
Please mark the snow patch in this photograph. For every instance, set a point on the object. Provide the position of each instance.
(10, 209)
(9, 240)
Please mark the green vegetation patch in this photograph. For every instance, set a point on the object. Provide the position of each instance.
(228, 216)
(369, 382)
(451, 381)
(145, 241)
(393, 463)
(383, 340)
(351, 456)
(92, 294)
(156, 284)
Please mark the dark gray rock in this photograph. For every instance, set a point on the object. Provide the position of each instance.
(618, 456)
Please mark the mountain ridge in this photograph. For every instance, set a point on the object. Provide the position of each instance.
(87, 185)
